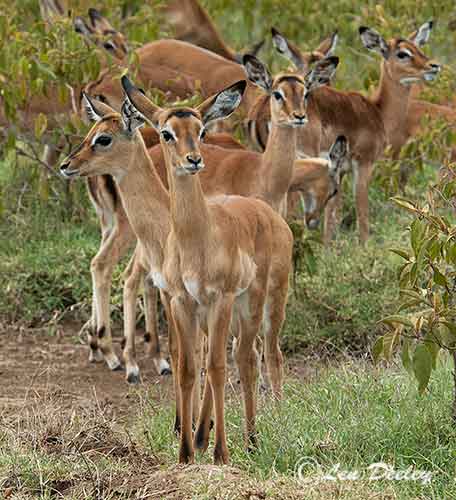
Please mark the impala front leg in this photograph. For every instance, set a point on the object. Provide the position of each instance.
(134, 274)
(186, 325)
(361, 188)
(113, 247)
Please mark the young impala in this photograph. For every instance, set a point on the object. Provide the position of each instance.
(370, 123)
(269, 177)
(219, 262)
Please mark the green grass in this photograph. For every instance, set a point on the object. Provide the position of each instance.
(350, 415)
(347, 415)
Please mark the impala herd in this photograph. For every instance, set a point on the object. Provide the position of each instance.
(208, 216)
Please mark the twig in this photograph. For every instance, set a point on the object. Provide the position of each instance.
(327, 307)
(21, 152)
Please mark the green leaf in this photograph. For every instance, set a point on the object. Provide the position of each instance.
(389, 342)
(417, 230)
(431, 340)
(377, 350)
(40, 125)
(422, 366)
(401, 252)
(405, 355)
(397, 319)
(402, 202)
(439, 278)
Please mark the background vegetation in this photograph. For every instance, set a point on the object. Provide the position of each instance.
(352, 413)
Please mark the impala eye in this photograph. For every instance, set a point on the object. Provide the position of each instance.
(203, 134)
(109, 46)
(403, 55)
(167, 136)
(277, 95)
(103, 140)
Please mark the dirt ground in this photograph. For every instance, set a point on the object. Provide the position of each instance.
(37, 363)
(54, 402)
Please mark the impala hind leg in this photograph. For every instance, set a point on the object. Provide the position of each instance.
(247, 361)
(274, 317)
(219, 318)
(332, 216)
(174, 356)
(151, 338)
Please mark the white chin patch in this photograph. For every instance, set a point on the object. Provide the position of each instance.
(429, 77)
(409, 81)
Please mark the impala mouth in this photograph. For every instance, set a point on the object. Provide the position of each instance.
(430, 76)
(68, 174)
(409, 80)
(313, 224)
(299, 123)
(193, 169)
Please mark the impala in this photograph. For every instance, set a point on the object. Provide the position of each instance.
(268, 177)
(220, 262)
(370, 123)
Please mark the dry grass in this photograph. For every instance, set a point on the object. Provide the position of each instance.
(49, 450)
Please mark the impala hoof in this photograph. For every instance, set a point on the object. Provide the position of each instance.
(133, 378)
(164, 368)
(133, 375)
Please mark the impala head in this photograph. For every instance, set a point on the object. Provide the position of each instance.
(182, 129)
(404, 61)
(318, 193)
(109, 145)
(288, 91)
(100, 31)
(303, 60)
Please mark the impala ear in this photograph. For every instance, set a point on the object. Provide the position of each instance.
(131, 118)
(140, 103)
(80, 26)
(285, 48)
(337, 155)
(223, 104)
(253, 51)
(321, 73)
(257, 72)
(99, 22)
(94, 110)
(421, 36)
(328, 46)
(372, 40)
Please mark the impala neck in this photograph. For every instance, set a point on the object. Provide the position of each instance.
(392, 98)
(278, 166)
(146, 201)
(189, 211)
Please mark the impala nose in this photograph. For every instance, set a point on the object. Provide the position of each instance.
(195, 163)
(64, 166)
(313, 224)
(300, 118)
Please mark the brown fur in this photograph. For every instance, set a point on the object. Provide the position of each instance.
(192, 24)
(226, 245)
(369, 123)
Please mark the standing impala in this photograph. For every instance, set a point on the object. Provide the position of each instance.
(268, 176)
(221, 262)
(259, 117)
(370, 123)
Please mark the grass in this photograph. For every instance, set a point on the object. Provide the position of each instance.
(351, 415)
(341, 418)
